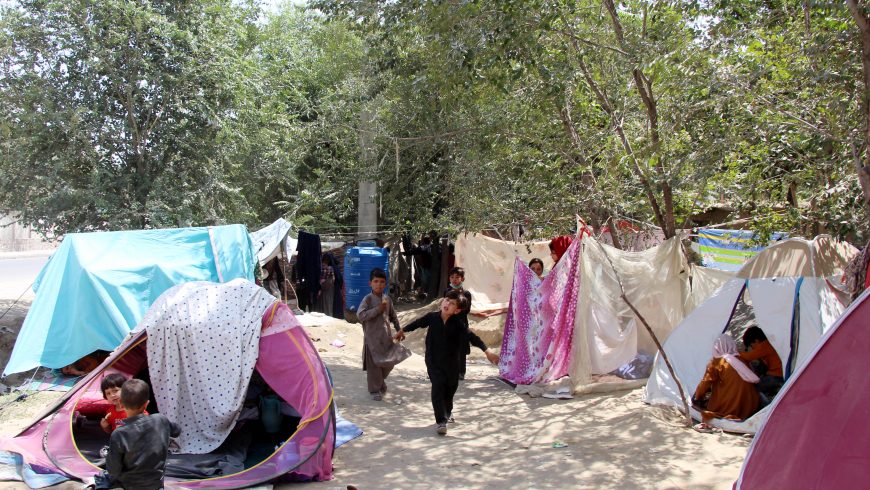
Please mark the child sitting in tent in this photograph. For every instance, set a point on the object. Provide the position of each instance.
(444, 345)
(730, 384)
(380, 354)
(765, 361)
(138, 449)
(111, 388)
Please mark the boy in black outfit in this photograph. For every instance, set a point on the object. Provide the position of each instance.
(444, 351)
(138, 449)
(457, 277)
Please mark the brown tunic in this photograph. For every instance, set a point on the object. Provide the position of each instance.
(732, 397)
(377, 336)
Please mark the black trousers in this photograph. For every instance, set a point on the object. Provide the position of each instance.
(444, 385)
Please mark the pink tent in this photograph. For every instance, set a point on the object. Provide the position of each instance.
(817, 435)
(56, 446)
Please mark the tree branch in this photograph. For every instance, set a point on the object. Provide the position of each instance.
(614, 18)
(592, 43)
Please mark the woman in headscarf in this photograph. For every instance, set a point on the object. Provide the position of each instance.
(558, 247)
(730, 382)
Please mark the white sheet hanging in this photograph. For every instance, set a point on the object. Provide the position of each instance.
(655, 281)
(203, 343)
(489, 267)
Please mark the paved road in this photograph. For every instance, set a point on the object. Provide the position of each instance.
(16, 275)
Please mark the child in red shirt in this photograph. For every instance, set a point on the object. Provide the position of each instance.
(111, 387)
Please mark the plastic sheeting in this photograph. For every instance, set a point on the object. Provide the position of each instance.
(655, 281)
(729, 249)
(705, 282)
(816, 435)
(97, 286)
(267, 241)
(489, 267)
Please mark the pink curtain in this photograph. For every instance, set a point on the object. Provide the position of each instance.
(540, 324)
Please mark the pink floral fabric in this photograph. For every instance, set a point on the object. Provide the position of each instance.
(539, 328)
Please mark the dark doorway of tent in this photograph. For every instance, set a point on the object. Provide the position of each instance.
(743, 319)
(265, 423)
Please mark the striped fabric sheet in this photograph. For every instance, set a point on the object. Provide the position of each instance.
(729, 249)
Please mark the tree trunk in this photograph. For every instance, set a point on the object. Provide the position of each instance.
(614, 233)
(643, 85)
(862, 157)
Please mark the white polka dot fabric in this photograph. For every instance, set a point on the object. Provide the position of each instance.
(203, 343)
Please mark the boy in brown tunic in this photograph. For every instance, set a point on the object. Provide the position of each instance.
(380, 353)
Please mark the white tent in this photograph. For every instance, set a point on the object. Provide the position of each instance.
(791, 289)
(268, 241)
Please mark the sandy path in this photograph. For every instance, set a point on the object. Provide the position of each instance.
(500, 440)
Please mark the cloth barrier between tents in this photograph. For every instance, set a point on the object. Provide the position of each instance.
(489, 266)
(607, 334)
(536, 347)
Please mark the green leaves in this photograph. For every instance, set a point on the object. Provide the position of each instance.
(467, 114)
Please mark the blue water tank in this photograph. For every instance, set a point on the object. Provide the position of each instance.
(358, 264)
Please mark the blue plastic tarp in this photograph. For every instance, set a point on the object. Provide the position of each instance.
(97, 286)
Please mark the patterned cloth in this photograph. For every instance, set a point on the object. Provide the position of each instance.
(540, 323)
(203, 343)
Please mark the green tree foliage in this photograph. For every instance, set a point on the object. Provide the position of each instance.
(113, 112)
(131, 114)
(650, 111)
(467, 114)
(794, 92)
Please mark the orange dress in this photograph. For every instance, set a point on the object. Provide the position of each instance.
(732, 397)
(764, 351)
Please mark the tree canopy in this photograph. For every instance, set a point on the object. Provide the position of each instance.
(467, 114)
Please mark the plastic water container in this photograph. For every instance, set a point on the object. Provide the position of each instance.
(358, 264)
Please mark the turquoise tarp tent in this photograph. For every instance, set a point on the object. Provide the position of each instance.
(97, 286)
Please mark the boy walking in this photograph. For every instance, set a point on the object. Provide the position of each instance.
(380, 354)
(444, 346)
(457, 278)
(138, 449)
